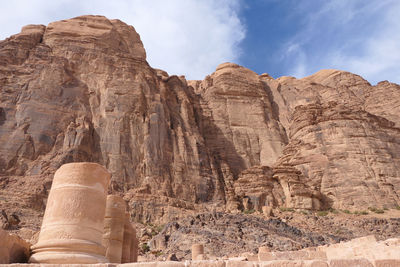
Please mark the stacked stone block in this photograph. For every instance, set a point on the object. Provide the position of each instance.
(82, 225)
(72, 227)
(114, 222)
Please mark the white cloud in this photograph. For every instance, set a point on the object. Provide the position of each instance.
(370, 44)
(188, 37)
(296, 53)
(381, 53)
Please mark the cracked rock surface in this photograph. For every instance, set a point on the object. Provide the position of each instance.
(82, 90)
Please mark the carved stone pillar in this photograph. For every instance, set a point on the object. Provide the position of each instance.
(72, 227)
(197, 252)
(134, 246)
(126, 245)
(114, 222)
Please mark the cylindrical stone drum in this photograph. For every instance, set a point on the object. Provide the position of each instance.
(126, 244)
(197, 251)
(114, 221)
(72, 227)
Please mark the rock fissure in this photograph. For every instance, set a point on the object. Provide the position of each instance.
(82, 90)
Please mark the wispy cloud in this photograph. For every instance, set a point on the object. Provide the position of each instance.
(186, 37)
(296, 53)
(359, 36)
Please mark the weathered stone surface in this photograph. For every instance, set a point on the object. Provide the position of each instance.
(81, 90)
(234, 263)
(342, 148)
(197, 251)
(127, 240)
(154, 264)
(292, 255)
(363, 247)
(103, 103)
(235, 233)
(250, 256)
(350, 263)
(264, 249)
(206, 263)
(298, 263)
(9, 222)
(239, 105)
(134, 246)
(130, 242)
(266, 256)
(387, 263)
(114, 221)
(13, 249)
(255, 188)
(72, 228)
(60, 265)
(297, 194)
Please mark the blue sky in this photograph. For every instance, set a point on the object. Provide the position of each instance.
(279, 37)
(298, 38)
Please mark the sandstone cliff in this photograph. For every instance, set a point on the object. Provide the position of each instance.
(81, 90)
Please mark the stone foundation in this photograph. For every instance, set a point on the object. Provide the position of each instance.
(361, 262)
(80, 219)
(364, 251)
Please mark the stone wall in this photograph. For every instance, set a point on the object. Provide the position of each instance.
(13, 249)
(81, 224)
(364, 251)
(235, 263)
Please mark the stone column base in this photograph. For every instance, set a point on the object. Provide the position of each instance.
(71, 251)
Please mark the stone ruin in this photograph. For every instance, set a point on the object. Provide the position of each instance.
(197, 252)
(81, 224)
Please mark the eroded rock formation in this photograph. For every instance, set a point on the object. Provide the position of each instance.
(81, 90)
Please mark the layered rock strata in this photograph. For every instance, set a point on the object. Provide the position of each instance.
(81, 90)
(347, 156)
(297, 193)
(256, 188)
(343, 140)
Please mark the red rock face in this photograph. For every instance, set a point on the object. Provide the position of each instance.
(343, 138)
(81, 90)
